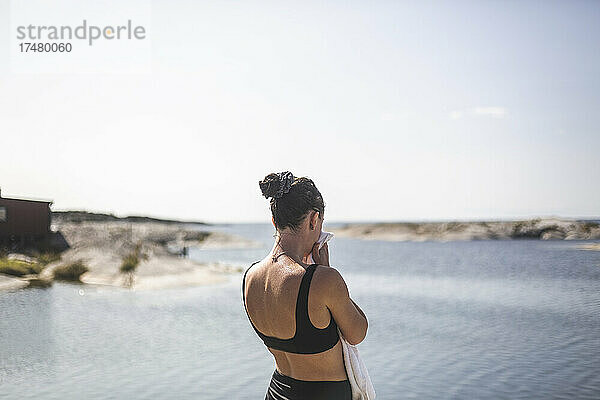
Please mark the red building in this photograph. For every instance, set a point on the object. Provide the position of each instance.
(23, 220)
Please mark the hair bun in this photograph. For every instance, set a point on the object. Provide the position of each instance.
(276, 184)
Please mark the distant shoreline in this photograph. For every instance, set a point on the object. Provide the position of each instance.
(85, 216)
(541, 229)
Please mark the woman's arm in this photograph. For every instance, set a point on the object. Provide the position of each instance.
(359, 310)
(347, 314)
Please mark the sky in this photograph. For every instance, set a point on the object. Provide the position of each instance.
(397, 110)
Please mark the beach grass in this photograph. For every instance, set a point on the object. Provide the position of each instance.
(18, 268)
(71, 271)
(130, 263)
(47, 258)
(132, 260)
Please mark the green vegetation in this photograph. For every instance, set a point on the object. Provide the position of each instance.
(18, 268)
(71, 271)
(526, 230)
(588, 226)
(133, 259)
(47, 258)
(131, 262)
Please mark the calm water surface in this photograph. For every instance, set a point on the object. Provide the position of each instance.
(457, 320)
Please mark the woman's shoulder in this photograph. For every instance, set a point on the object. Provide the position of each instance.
(249, 268)
(329, 279)
(327, 272)
(265, 269)
(249, 274)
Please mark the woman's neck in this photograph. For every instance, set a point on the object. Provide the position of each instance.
(290, 244)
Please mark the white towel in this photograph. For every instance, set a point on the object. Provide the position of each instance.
(323, 238)
(360, 381)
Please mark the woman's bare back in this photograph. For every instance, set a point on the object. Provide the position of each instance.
(271, 292)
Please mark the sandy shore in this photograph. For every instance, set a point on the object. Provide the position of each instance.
(590, 246)
(220, 240)
(543, 229)
(103, 245)
(10, 283)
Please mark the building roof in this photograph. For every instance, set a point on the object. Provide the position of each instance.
(25, 199)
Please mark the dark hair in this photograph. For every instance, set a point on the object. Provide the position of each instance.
(291, 203)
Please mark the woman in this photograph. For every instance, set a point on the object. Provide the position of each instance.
(296, 308)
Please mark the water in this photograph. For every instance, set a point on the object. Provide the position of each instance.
(458, 320)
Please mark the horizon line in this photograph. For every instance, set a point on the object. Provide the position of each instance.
(350, 220)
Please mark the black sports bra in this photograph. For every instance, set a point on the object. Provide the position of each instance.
(308, 339)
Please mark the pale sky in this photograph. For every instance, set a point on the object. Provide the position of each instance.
(397, 111)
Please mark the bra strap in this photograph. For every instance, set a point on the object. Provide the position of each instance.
(302, 318)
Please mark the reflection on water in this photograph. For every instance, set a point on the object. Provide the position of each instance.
(481, 320)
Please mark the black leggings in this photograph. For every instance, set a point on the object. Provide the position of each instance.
(283, 387)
